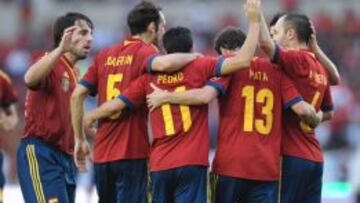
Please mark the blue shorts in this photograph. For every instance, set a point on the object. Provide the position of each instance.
(301, 180)
(2, 177)
(182, 184)
(230, 189)
(46, 174)
(122, 181)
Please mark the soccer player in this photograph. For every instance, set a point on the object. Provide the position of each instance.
(8, 116)
(179, 153)
(121, 146)
(45, 164)
(302, 164)
(247, 158)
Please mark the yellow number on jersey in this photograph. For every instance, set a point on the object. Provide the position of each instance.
(111, 90)
(264, 97)
(168, 118)
(305, 127)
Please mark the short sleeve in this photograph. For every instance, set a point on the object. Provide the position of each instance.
(327, 102)
(147, 55)
(8, 92)
(290, 95)
(220, 84)
(47, 82)
(90, 79)
(211, 66)
(134, 95)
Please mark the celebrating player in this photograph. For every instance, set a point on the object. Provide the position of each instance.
(45, 164)
(302, 165)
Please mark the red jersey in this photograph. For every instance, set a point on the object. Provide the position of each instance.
(47, 108)
(249, 135)
(122, 136)
(7, 93)
(311, 79)
(181, 134)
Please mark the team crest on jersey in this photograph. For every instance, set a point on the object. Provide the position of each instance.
(65, 82)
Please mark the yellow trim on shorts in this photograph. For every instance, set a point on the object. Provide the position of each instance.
(34, 173)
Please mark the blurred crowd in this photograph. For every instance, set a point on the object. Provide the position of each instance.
(339, 38)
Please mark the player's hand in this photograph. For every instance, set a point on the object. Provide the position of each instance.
(156, 98)
(90, 132)
(81, 154)
(313, 43)
(252, 10)
(88, 121)
(6, 124)
(67, 42)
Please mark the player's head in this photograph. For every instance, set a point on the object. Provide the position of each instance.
(229, 40)
(82, 37)
(178, 39)
(292, 28)
(273, 21)
(147, 18)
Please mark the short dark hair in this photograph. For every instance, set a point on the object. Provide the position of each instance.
(141, 16)
(229, 38)
(178, 39)
(301, 24)
(65, 21)
(276, 17)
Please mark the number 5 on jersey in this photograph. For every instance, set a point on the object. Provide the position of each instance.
(111, 90)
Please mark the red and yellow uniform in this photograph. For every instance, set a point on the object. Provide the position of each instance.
(311, 79)
(181, 135)
(122, 136)
(47, 108)
(249, 135)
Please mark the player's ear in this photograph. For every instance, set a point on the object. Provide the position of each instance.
(151, 28)
(291, 34)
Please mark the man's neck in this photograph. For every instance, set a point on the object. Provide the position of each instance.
(71, 58)
(297, 45)
(143, 37)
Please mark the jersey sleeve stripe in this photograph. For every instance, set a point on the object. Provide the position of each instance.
(293, 102)
(218, 87)
(327, 108)
(149, 68)
(89, 86)
(127, 102)
(218, 66)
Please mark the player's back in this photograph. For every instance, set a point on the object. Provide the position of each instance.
(249, 134)
(180, 132)
(121, 136)
(311, 79)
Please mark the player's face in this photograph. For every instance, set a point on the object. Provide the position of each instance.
(82, 38)
(278, 32)
(161, 28)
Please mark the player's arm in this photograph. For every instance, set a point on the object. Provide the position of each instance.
(307, 113)
(197, 96)
(243, 57)
(77, 110)
(327, 115)
(39, 70)
(265, 41)
(170, 62)
(106, 110)
(334, 76)
(10, 118)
